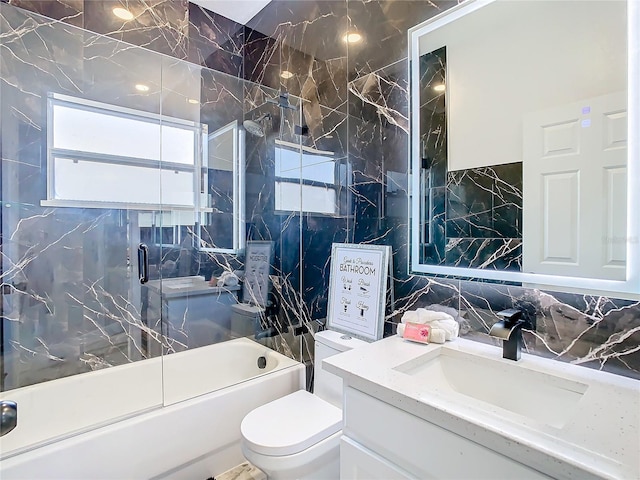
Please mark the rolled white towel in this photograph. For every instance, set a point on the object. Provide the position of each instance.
(450, 310)
(410, 316)
(427, 316)
(438, 336)
(450, 327)
(232, 280)
(229, 279)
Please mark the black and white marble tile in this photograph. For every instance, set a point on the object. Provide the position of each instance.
(594, 331)
(384, 25)
(485, 253)
(212, 31)
(158, 25)
(69, 11)
(261, 59)
(215, 41)
(312, 54)
(244, 471)
(355, 103)
(383, 93)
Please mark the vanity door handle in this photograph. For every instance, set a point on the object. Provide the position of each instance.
(143, 263)
(8, 416)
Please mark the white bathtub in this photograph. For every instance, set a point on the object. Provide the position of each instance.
(194, 436)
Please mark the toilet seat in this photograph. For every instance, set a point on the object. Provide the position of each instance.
(290, 424)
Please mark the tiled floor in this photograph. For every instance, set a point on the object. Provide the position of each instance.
(244, 471)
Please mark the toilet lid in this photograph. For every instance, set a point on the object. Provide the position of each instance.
(290, 424)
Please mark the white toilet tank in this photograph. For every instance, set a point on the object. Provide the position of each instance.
(328, 386)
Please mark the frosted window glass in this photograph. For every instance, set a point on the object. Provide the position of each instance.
(177, 188)
(87, 131)
(290, 164)
(178, 145)
(306, 198)
(108, 133)
(103, 182)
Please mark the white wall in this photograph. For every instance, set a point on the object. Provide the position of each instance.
(512, 57)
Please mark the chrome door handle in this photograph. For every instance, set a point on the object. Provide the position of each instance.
(8, 416)
(143, 263)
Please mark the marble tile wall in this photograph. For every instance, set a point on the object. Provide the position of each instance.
(71, 301)
(355, 103)
(483, 218)
(474, 216)
(304, 38)
(594, 331)
(176, 28)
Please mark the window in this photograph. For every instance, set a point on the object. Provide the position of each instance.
(305, 180)
(105, 156)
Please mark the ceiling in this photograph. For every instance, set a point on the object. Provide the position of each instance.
(240, 11)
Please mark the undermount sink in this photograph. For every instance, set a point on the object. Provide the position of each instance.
(493, 382)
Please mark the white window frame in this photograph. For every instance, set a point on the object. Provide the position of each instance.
(200, 136)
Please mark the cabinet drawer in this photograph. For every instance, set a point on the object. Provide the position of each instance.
(422, 448)
(358, 463)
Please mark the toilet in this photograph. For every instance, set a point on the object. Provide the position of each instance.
(298, 436)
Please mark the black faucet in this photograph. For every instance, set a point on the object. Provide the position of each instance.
(509, 329)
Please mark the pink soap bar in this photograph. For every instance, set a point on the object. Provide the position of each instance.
(417, 332)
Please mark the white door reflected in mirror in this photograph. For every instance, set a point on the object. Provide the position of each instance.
(570, 153)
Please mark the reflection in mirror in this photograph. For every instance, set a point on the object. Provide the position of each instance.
(222, 203)
(520, 152)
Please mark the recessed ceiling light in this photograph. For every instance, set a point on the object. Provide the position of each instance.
(440, 87)
(193, 101)
(352, 37)
(122, 13)
(142, 87)
(286, 74)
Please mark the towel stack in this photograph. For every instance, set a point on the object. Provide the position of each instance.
(229, 279)
(443, 326)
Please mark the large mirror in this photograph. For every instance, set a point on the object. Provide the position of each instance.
(524, 150)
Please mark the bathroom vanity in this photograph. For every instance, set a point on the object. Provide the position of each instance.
(459, 410)
(194, 313)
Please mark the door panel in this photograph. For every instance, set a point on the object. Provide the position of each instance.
(574, 190)
(72, 303)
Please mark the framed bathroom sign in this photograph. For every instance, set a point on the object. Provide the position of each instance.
(257, 267)
(358, 289)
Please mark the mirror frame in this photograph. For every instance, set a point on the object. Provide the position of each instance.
(628, 288)
(239, 240)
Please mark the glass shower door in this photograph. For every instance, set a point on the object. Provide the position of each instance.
(80, 120)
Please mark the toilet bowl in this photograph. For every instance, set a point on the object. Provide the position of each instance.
(298, 436)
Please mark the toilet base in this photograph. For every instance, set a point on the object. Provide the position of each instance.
(319, 462)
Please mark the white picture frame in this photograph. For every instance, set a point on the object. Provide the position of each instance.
(358, 290)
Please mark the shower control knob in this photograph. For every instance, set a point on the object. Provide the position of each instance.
(8, 416)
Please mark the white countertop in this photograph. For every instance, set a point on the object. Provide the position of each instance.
(187, 287)
(601, 438)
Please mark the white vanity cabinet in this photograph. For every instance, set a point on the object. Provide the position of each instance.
(360, 463)
(382, 441)
(461, 411)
